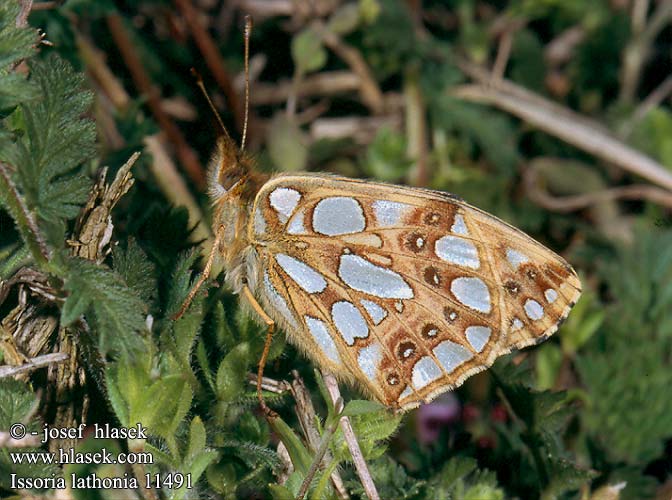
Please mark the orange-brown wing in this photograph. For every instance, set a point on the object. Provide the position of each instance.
(406, 291)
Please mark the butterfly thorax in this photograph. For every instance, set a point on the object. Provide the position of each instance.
(232, 186)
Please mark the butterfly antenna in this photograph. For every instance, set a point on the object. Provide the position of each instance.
(201, 85)
(248, 31)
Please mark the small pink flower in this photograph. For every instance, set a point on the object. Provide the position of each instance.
(435, 415)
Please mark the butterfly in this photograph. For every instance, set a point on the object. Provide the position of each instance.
(404, 291)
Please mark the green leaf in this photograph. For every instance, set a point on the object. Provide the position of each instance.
(54, 141)
(565, 476)
(300, 456)
(16, 401)
(548, 362)
(15, 43)
(232, 373)
(136, 269)
(361, 407)
(308, 52)
(15, 89)
(386, 157)
(196, 437)
(279, 492)
(114, 312)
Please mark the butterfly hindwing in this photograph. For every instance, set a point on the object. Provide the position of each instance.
(406, 291)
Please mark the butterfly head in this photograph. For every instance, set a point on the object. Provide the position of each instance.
(232, 186)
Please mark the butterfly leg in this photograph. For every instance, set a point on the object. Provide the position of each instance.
(267, 347)
(204, 276)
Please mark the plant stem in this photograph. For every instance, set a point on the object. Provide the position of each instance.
(321, 451)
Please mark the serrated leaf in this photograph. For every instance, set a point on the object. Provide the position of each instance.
(15, 89)
(565, 476)
(52, 141)
(114, 312)
(15, 43)
(136, 269)
(16, 401)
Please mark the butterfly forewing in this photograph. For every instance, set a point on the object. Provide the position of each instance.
(406, 291)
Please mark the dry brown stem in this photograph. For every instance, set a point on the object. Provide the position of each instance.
(561, 49)
(370, 92)
(638, 50)
(212, 59)
(416, 130)
(566, 204)
(24, 12)
(33, 364)
(561, 122)
(93, 228)
(349, 434)
(320, 84)
(361, 130)
(307, 418)
(184, 152)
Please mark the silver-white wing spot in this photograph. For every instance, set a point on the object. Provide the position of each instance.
(534, 309)
(349, 321)
(478, 336)
(459, 227)
(406, 392)
(515, 258)
(284, 201)
(472, 292)
(321, 335)
(389, 213)
(259, 222)
(551, 295)
(338, 215)
(457, 251)
(451, 355)
(376, 312)
(425, 372)
(304, 275)
(368, 360)
(296, 224)
(278, 302)
(364, 276)
(516, 325)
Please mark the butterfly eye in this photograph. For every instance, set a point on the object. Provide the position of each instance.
(228, 179)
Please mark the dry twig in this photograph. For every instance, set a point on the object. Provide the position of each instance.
(321, 84)
(561, 122)
(351, 440)
(307, 418)
(369, 90)
(33, 364)
(163, 168)
(212, 59)
(184, 152)
(566, 204)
